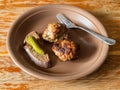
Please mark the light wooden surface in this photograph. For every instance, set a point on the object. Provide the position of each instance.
(106, 78)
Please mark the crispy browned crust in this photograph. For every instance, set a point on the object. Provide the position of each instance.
(65, 49)
(54, 32)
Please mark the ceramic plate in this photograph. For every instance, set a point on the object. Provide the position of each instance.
(92, 51)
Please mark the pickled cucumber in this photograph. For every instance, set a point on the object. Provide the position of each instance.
(33, 43)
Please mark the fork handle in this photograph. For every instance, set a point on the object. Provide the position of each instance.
(105, 39)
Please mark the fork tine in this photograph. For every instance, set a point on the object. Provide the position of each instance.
(64, 20)
(59, 18)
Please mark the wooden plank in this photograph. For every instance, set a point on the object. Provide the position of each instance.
(107, 77)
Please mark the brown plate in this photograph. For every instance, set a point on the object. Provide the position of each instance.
(92, 51)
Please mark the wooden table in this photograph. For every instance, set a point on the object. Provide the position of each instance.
(106, 78)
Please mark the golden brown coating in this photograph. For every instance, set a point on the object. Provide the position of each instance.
(54, 32)
(65, 49)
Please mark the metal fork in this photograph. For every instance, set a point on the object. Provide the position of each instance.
(70, 24)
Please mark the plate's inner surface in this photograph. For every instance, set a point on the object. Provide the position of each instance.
(90, 47)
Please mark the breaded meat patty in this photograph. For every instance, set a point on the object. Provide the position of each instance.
(65, 49)
(54, 32)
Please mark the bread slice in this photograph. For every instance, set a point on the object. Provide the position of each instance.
(41, 60)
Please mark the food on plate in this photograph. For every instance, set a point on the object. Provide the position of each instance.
(55, 32)
(65, 49)
(33, 47)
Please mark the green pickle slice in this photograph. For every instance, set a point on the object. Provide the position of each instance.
(32, 41)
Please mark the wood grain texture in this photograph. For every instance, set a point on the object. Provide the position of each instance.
(107, 77)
